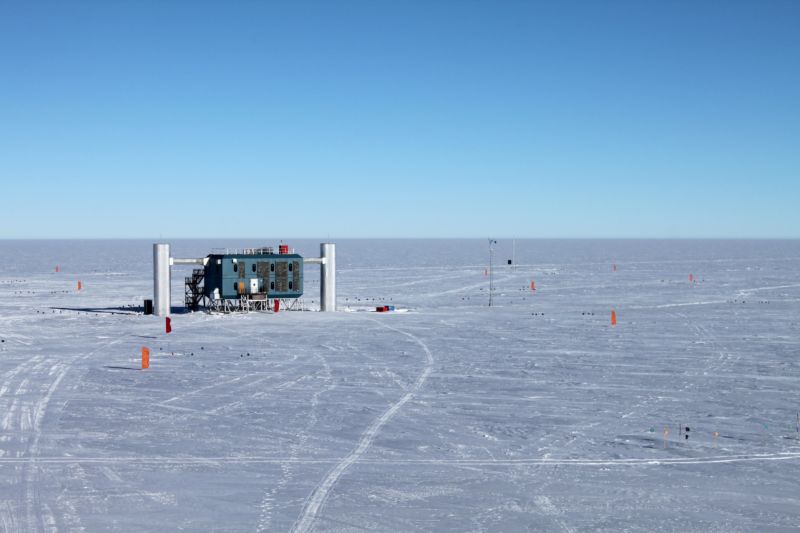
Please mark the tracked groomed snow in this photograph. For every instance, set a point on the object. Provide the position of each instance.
(445, 415)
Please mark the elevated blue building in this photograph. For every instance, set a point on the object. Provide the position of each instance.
(267, 275)
(246, 279)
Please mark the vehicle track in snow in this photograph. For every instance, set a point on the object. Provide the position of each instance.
(47, 375)
(265, 520)
(253, 459)
(322, 491)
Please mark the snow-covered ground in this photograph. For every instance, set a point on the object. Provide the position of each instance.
(533, 415)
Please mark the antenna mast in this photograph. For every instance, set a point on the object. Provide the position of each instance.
(492, 242)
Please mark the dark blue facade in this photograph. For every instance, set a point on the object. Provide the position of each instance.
(231, 276)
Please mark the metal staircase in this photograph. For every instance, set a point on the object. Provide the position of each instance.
(193, 295)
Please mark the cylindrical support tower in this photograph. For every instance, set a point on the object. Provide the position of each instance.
(327, 286)
(162, 285)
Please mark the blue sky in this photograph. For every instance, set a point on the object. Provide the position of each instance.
(400, 119)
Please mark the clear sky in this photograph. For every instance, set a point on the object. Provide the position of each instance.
(400, 119)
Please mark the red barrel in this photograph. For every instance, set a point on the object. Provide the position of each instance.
(283, 248)
(276, 305)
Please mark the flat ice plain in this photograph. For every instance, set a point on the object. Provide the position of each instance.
(533, 415)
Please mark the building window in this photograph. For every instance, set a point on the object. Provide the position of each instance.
(235, 286)
(290, 285)
(290, 267)
(272, 267)
(272, 285)
(254, 267)
(235, 267)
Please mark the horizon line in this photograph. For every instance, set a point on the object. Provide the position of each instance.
(329, 239)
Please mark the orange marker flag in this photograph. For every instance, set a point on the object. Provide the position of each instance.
(80, 286)
(169, 325)
(533, 285)
(485, 272)
(613, 318)
(691, 278)
(57, 269)
(145, 357)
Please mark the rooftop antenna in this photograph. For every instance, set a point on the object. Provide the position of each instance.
(492, 242)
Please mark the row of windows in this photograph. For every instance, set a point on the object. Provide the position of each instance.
(271, 285)
(271, 267)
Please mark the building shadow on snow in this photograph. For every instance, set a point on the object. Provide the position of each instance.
(132, 310)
